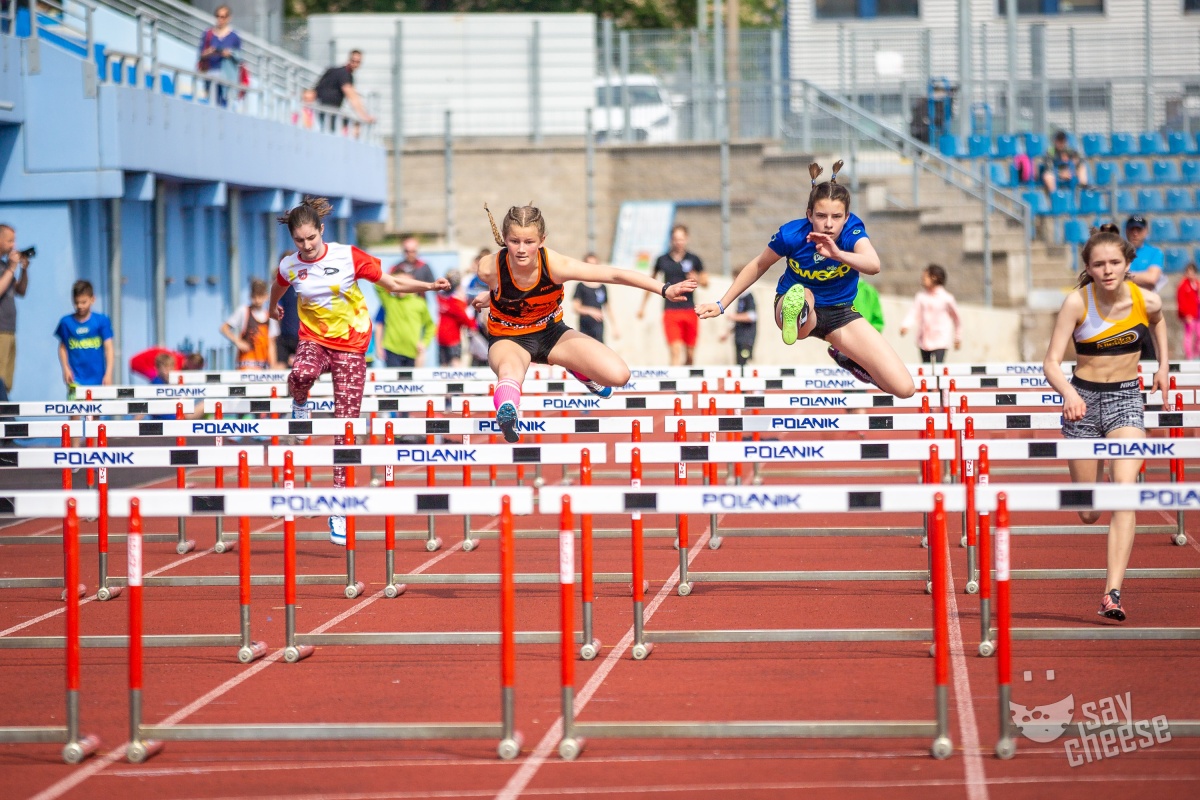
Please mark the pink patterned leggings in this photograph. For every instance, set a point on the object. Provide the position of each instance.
(1191, 339)
(349, 378)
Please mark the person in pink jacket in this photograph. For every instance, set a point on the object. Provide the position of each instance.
(934, 314)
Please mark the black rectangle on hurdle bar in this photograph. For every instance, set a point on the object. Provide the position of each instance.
(866, 499)
(587, 426)
(8, 505)
(237, 391)
(300, 427)
(989, 383)
(8, 458)
(260, 406)
(1006, 399)
(14, 429)
(350, 456)
(635, 402)
(150, 429)
(1170, 420)
(774, 384)
(208, 504)
(389, 404)
(695, 373)
(139, 408)
(527, 455)
(730, 424)
(454, 388)
(755, 402)
(1043, 450)
(556, 386)
(667, 386)
(433, 502)
(977, 370)
(641, 501)
(125, 393)
(433, 426)
(1075, 498)
(693, 452)
(183, 458)
(881, 423)
(788, 372)
(883, 400)
(1015, 421)
(11, 409)
(873, 451)
(212, 377)
(404, 375)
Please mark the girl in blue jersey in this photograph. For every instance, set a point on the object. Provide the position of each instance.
(825, 253)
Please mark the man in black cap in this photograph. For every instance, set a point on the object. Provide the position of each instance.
(1147, 267)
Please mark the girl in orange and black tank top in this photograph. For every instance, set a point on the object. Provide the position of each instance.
(1109, 319)
(525, 282)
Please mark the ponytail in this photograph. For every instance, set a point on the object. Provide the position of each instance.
(309, 212)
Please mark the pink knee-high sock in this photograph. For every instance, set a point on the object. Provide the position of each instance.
(507, 391)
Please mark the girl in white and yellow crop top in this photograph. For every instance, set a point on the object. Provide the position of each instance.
(1109, 319)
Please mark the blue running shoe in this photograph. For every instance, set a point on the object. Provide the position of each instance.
(603, 392)
(300, 412)
(337, 531)
(506, 418)
(794, 311)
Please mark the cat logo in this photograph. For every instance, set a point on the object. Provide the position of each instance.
(1128, 337)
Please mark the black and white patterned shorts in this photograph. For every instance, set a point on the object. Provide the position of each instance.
(1109, 406)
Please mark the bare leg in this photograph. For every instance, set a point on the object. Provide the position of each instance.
(1121, 527)
(508, 360)
(1086, 471)
(585, 355)
(865, 345)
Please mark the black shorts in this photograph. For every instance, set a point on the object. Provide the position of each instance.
(540, 343)
(449, 353)
(829, 318)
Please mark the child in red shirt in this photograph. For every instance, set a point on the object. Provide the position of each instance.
(1187, 298)
(452, 318)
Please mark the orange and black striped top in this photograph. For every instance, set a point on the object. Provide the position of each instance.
(517, 309)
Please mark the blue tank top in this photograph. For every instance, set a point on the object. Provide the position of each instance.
(832, 283)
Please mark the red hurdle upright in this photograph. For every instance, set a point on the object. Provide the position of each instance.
(182, 544)
(681, 520)
(393, 588)
(986, 645)
(104, 591)
(468, 544)
(591, 645)
(1006, 745)
(432, 541)
(641, 648)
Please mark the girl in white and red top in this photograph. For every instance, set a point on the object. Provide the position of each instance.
(935, 315)
(1187, 301)
(335, 327)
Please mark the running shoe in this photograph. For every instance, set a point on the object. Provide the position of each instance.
(300, 412)
(850, 365)
(506, 418)
(794, 311)
(603, 392)
(337, 531)
(1110, 606)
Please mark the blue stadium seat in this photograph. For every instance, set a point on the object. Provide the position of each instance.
(1092, 201)
(1075, 231)
(1178, 200)
(1001, 174)
(1126, 201)
(1175, 258)
(1190, 171)
(1062, 201)
(1136, 172)
(1177, 143)
(1006, 145)
(979, 146)
(1165, 171)
(1150, 200)
(1151, 144)
(1163, 230)
(949, 146)
(1093, 145)
(1037, 201)
(1035, 145)
(1121, 144)
(1104, 173)
(1189, 229)
(168, 84)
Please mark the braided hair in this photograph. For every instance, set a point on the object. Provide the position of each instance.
(518, 216)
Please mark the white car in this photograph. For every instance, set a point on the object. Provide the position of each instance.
(652, 116)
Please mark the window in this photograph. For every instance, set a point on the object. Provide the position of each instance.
(1058, 6)
(866, 9)
(1191, 5)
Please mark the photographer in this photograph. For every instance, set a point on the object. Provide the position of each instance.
(14, 280)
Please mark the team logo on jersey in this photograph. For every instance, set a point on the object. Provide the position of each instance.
(856, 231)
(302, 274)
(834, 271)
(1128, 337)
(330, 270)
(818, 258)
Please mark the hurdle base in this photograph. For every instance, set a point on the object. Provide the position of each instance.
(510, 748)
(185, 547)
(295, 653)
(353, 590)
(108, 593)
(393, 590)
(142, 750)
(589, 651)
(641, 652)
(225, 546)
(570, 747)
(80, 592)
(77, 751)
(251, 653)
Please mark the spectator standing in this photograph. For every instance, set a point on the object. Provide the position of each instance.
(1147, 269)
(452, 320)
(219, 54)
(866, 302)
(306, 116)
(679, 316)
(85, 347)
(935, 315)
(1187, 301)
(252, 330)
(337, 85)
(407, 329)
(1063, 166)
(590, 302)
(14, 280)
(745, 329)
(477, 341)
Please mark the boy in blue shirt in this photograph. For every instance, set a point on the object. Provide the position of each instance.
(85, 348)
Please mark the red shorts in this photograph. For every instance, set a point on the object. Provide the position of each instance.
(681, 325)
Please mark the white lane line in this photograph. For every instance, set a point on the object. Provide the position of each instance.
(521, 779)
(79, 776)
(963, 700)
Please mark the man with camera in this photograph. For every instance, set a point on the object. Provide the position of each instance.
(14, 280)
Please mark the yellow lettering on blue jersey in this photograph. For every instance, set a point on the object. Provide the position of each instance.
(827, 274)
(90, 343)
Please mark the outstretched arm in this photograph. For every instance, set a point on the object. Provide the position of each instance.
(402, 284)
(563, 268)
(746, 278)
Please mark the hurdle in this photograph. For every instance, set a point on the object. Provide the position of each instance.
(77, 746)
(147, 740)
(569, 501)
(101, 408)
(1107, 497)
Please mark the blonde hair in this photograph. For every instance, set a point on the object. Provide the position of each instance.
(518, 216)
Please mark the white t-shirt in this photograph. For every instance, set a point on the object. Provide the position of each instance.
(237, 320)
